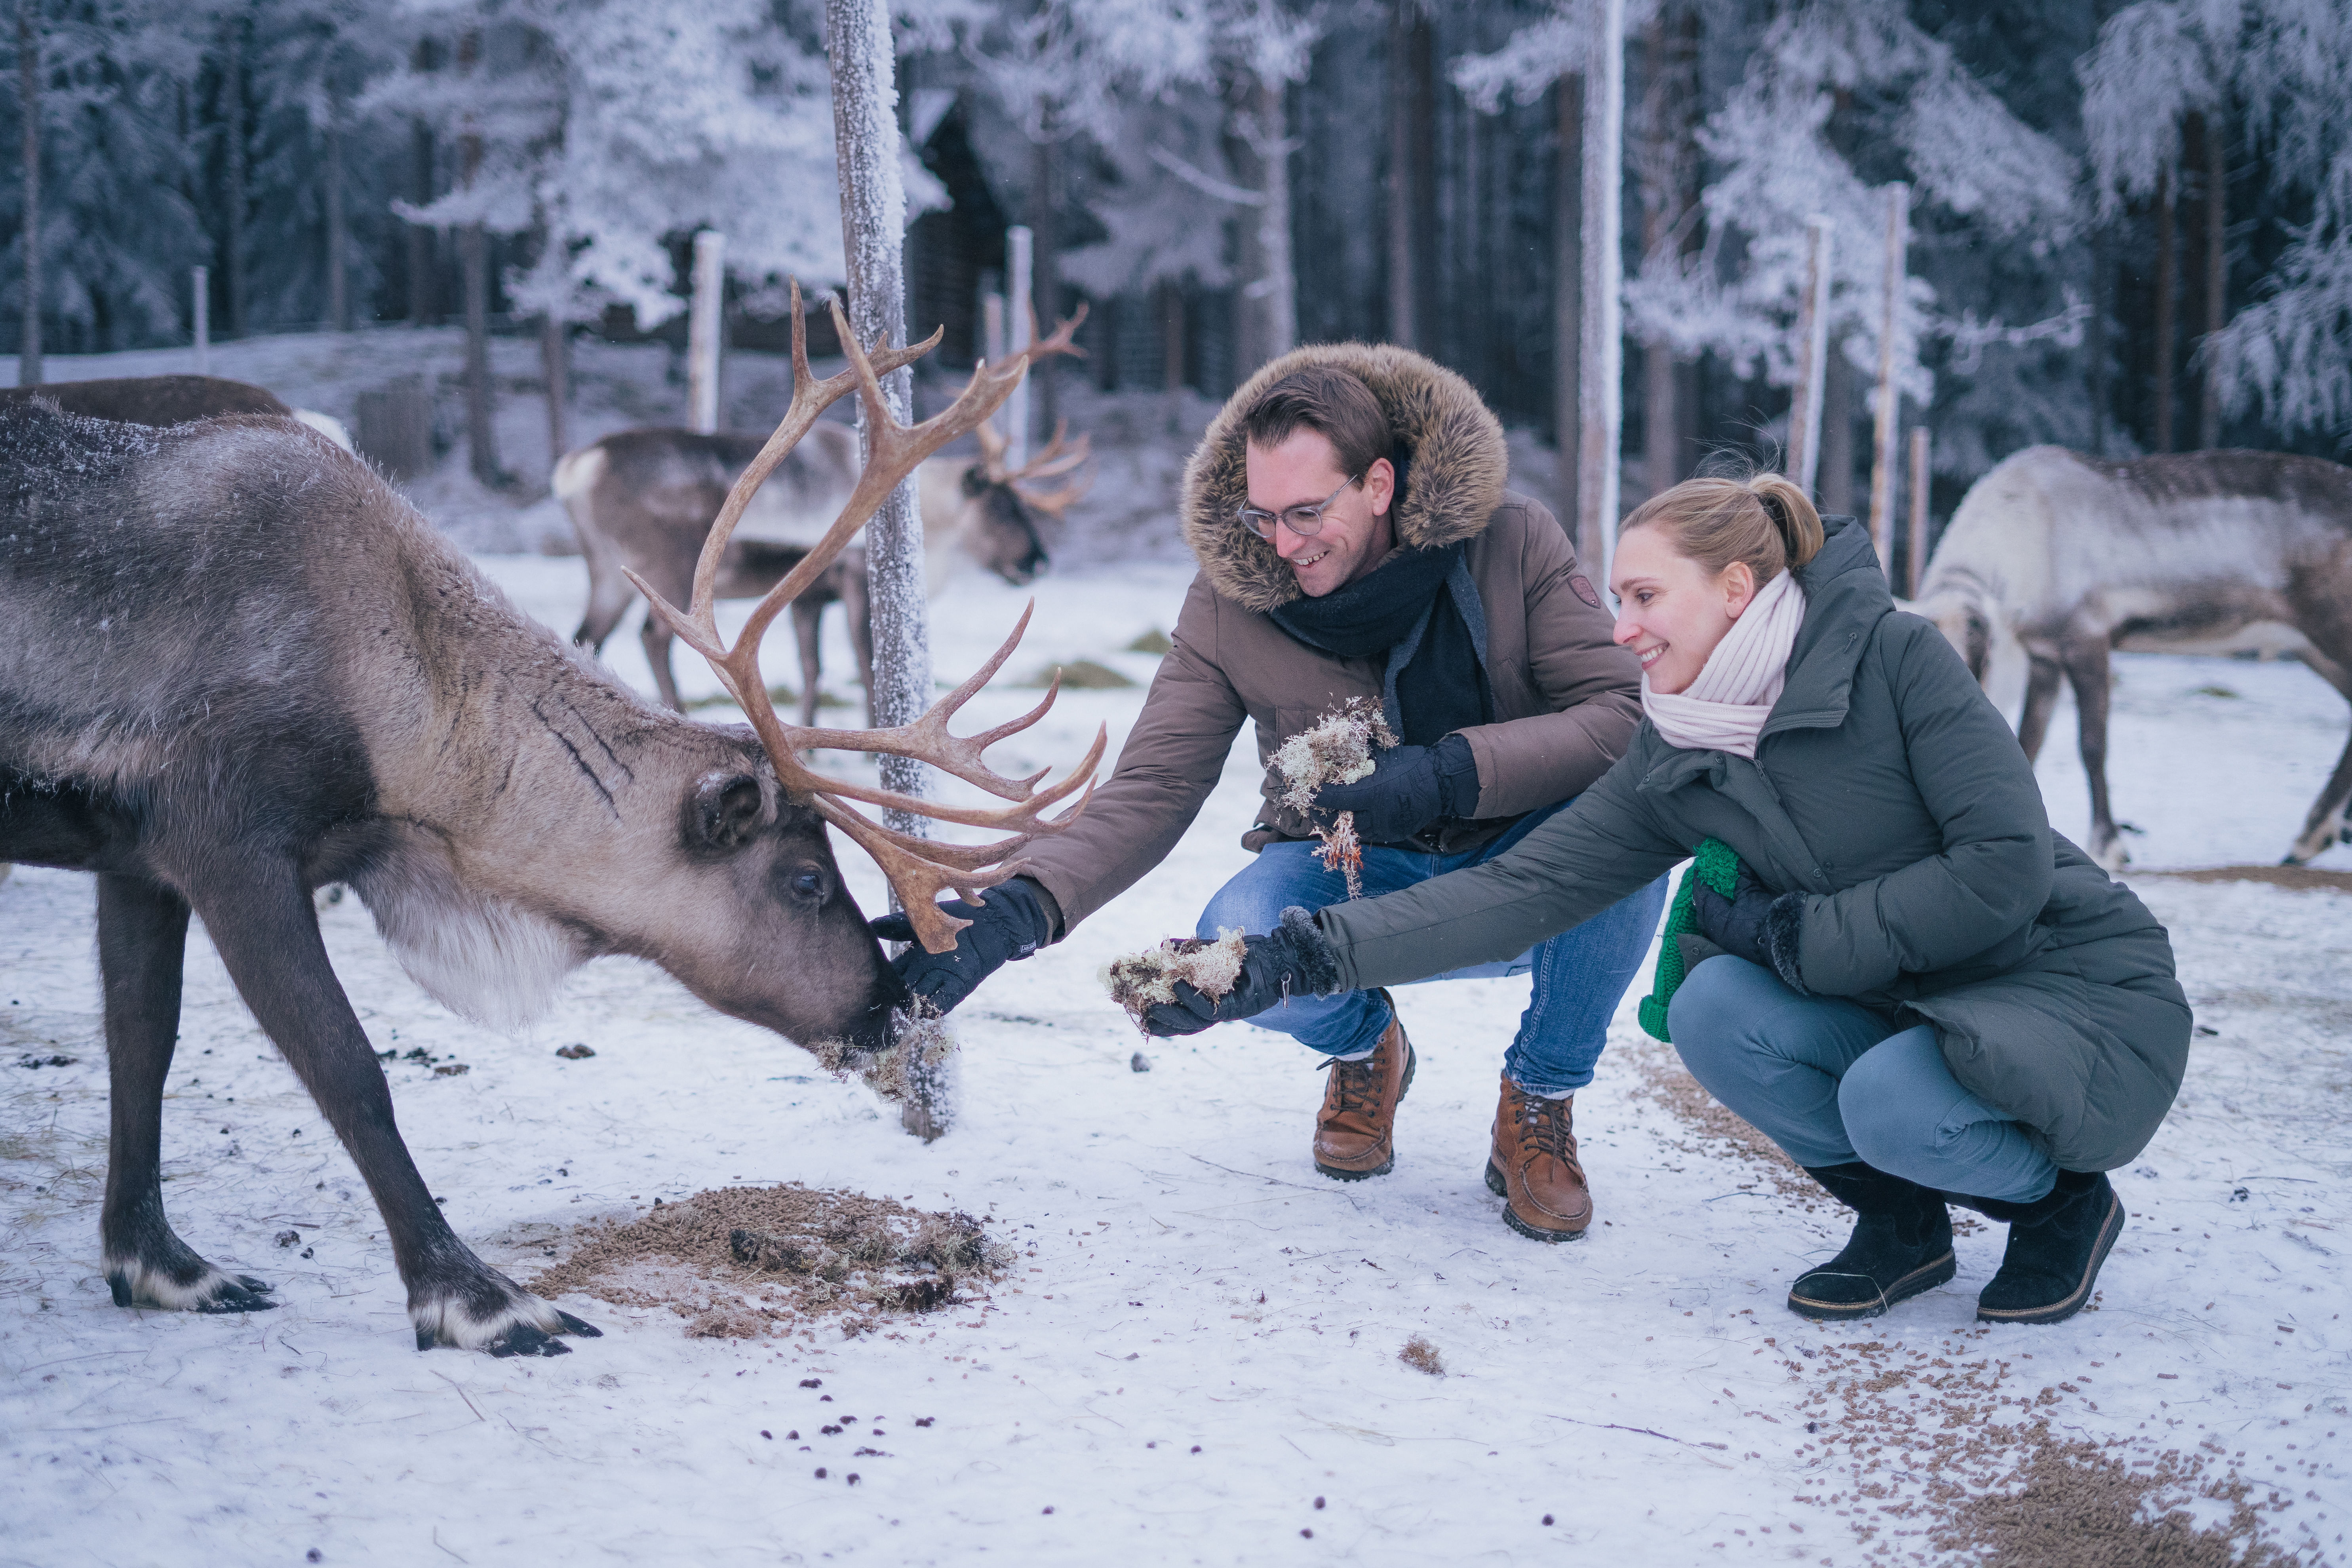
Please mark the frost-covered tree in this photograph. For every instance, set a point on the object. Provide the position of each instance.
(117, 232)
(2282, 69)
(1905, 107)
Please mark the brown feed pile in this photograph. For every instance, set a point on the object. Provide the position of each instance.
(742, 1262)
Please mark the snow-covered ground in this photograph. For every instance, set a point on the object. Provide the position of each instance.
(1196, 1360)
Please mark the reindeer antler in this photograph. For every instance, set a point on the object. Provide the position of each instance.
(918, 870)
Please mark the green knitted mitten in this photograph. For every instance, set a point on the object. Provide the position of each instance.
(1714, 862)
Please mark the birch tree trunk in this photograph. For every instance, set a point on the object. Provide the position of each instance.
(555, 367)
(28, 110)
(423, 307)
(1276, 285)
(1804, 453)
(1884, 484)
(873, 222)
(1835, 484)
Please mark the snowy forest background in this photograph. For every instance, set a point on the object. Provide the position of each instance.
(2131, 223)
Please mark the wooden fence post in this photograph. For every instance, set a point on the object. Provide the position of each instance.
(1890, 394)
(1804, 454)
(1918, 510)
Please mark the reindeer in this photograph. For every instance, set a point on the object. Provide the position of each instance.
(2198, 552)
(240, 666)
(642, 502)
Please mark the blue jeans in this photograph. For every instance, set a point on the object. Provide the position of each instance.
(1580, 974)
(1831, 1082)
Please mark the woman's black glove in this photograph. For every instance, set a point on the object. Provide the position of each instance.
(1294, 960)
(1409, 788)
(1755, 923)
(1011, 923)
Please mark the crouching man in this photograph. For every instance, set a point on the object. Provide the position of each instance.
(1355, 539)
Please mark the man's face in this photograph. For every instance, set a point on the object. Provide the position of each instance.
(1356, 535)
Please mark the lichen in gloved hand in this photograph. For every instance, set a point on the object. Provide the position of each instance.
(1292, 960)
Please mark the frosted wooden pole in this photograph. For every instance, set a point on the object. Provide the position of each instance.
(873, 229)
(200, 280)
(1812, 358)
(702, 331)
(1918, 510)
(1019, 254)
(1889, 399)
(1599, 392)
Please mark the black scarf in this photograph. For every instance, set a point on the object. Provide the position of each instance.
(1441, 688)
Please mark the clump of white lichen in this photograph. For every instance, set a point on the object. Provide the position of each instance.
(1141, 980)
(1338, 748)
(916, 1070)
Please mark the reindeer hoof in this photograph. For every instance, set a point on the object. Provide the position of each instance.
(513, 1322)
(241, 1293)
(197, 1288)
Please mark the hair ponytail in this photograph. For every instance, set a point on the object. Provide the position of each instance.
(1765, 520)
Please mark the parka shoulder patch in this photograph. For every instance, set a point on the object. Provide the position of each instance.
(1584, 589)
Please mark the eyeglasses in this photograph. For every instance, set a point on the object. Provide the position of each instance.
(1305, 522)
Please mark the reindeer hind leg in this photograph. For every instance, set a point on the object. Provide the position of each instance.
(142, 930)
(2330, 818)
(2086, 660)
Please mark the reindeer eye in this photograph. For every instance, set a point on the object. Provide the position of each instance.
(808, 882)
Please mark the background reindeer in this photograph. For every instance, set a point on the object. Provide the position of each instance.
(2073, 556)
(283, 676)
(162, 401)
(641, 502)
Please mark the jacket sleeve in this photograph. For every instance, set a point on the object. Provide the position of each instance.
(1591, 686)
(1994, 874)
(1605, 845)
(1172, 761)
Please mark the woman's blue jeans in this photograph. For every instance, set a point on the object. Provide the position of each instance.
(1831, 1082)
(1580, 974)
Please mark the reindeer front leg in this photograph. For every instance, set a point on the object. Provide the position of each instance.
(2041, 697)
(267, 933)
(142, 932)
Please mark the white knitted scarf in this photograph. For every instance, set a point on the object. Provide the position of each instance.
(1724, 708)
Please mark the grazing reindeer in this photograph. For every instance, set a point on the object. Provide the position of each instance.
(641, 502)
(238, 666)
(2074, 555)
(166, 400)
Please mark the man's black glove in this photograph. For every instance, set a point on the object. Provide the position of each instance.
(1755, 923)
(1409, 788)
(1011, 923)
(1294, 960)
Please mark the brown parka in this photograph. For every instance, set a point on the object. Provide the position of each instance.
(1566, 697)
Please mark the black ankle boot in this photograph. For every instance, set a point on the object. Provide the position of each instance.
(2056, 1244)
(1901, 1245)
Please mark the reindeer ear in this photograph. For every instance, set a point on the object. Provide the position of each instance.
(976, 480)
(726, 810)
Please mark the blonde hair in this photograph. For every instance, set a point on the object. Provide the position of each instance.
(1764, 519)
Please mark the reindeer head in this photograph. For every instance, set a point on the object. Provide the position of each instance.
(920, 869)
(999, 528)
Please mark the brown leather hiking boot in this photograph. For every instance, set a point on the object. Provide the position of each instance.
(1353, 1131)
(1534, 1167)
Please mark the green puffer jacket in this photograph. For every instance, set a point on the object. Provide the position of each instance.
(1888, 791)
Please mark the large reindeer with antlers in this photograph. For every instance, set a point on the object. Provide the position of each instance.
(2074, 556)
(642, 502)
(282, 676)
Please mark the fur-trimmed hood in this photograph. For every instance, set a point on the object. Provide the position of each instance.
(1460, 465)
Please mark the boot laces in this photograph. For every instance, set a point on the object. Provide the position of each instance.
(1549, 1126)
(1358, 1083)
